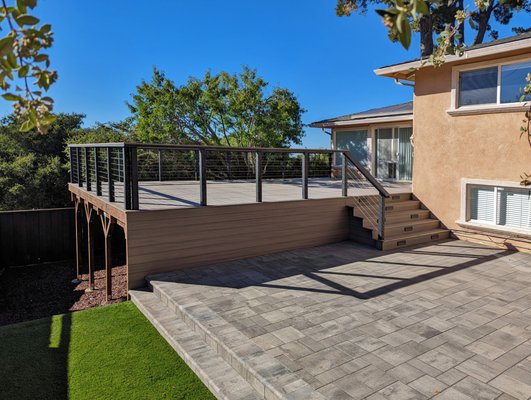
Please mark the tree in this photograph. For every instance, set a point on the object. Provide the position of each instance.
(21, 59)
(219, 109)
(436, 17)
(34, 168)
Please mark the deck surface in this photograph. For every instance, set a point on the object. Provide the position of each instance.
(155, 195)
(450, 320)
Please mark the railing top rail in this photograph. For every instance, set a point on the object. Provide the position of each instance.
(378, 186)
(114, 144)
(211, 148)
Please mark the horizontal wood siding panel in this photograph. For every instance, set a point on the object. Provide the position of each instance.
(167, 240)
(36, 236)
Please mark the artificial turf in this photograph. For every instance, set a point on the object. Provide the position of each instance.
(110, 352)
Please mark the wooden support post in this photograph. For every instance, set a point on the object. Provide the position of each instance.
(108, 224)
(89, 213)
(110, 181)
(97, 171)
(305, 169)
(203, 177)
(78, 220)
(258, 176)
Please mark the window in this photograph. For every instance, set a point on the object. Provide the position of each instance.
(501, 206)
(356, 143)
(513, 82)
(478, 87)
(501, 84)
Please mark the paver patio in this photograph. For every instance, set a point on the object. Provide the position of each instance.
(450, 320)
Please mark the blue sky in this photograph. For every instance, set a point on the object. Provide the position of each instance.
(103, 49)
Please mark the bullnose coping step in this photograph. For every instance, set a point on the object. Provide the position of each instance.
(268, 376)
(218, 376)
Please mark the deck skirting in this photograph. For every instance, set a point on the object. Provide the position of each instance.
(167, 240)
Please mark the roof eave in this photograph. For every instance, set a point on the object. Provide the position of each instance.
(362, 121)
(405, 71)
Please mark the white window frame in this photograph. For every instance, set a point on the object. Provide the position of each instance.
(464, 219)
(455, 109)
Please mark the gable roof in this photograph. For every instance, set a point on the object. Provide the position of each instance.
(405, 70)
(395, 112)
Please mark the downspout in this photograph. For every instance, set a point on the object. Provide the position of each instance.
(400, 83)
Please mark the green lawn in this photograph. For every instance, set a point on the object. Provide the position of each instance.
(110, 352)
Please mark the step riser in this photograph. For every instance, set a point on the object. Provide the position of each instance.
(238, 363)
(390, 245)
(201, 359)
(432, 224)
(394, 198)
(402, 206)
(414, 215)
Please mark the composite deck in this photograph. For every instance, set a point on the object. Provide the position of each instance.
(158, 195)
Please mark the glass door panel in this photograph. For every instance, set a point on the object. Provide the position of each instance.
(405, 154)
(386, 153)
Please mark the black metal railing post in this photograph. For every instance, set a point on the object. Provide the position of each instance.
(71, 151)
(305, 170)
(203, 176)
(381, 217)
(87, 169)
(97, 171)
(344, 175)
(160, 165)
(127, 178)
(78, 167)
(133, 158)
(258, 173)
(110, 182)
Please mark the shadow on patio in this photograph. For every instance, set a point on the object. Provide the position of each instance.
(346, 268)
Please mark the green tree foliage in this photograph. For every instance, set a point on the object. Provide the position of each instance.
(34, 168)
(438, 17)
(219, 109)
(25, 73)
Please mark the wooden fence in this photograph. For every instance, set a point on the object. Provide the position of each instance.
(36, 236)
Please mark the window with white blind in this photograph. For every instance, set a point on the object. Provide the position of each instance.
(501, 206)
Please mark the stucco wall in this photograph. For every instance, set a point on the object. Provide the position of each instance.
(448, 148)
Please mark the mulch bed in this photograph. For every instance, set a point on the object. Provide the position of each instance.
(39, 291)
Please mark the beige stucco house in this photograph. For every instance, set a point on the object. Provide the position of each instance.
(468, 152)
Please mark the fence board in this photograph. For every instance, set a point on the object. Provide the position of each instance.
(36, 236)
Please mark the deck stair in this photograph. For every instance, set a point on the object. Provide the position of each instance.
(407, 222)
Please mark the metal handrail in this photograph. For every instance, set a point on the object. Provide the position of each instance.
(128, 155)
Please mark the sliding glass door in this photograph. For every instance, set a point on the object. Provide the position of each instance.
(394, 153)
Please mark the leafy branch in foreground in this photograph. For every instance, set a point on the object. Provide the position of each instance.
(24, 68)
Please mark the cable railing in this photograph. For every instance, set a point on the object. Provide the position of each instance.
(117, 171)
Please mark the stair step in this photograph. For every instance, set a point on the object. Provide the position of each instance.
(410, 239)
(394, 217)
(402, 206)
(240, 352)
(398, 197)
(220, 378)
(412, 226)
